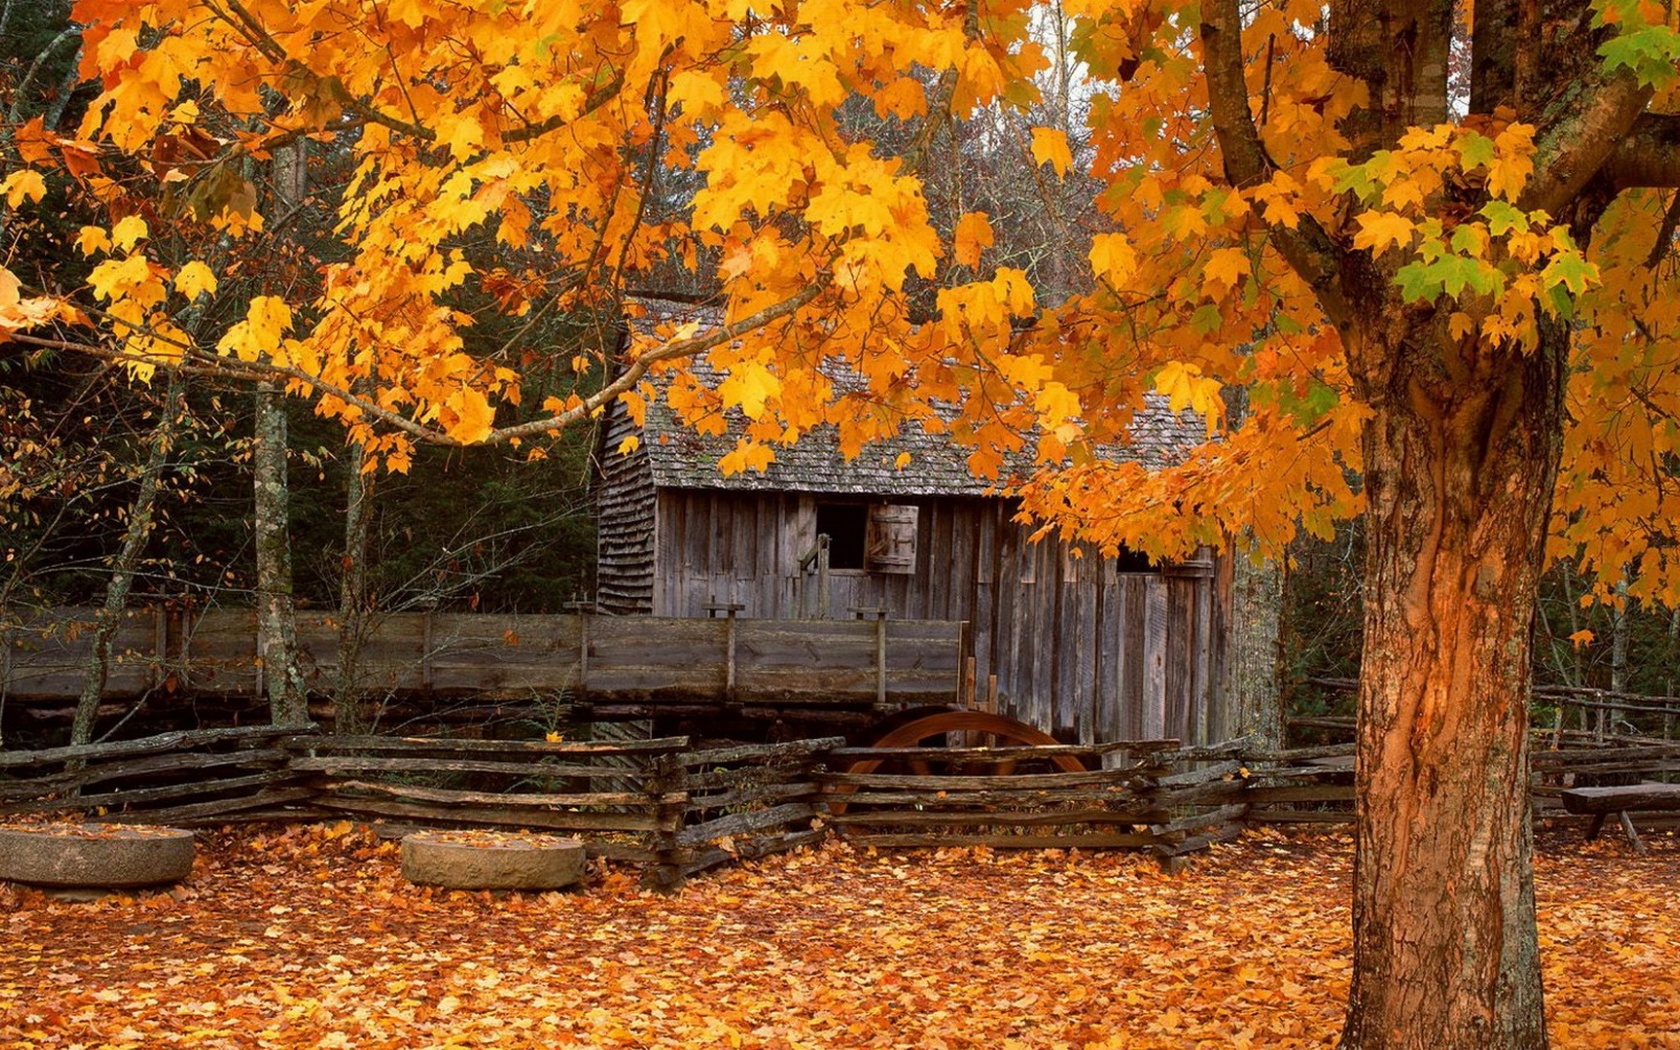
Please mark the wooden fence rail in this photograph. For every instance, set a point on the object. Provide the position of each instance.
(1138, 795)
(658, 803)
(676, 810)
(1315, 785)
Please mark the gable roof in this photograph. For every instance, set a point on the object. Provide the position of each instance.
(937, 465)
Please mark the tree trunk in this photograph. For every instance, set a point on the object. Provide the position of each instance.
(1460, 458)
(1252, 660)
(288, 704)
(139, 530)
(276, 616)
(1610, 721)
(348, 714)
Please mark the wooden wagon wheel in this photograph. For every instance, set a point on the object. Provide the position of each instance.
(913, 733)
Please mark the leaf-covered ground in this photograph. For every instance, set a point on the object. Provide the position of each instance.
(309, 937)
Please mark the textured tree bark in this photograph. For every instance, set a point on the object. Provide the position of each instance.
(127, 561)
(1460, 459)
(349, 715)
(288, 704)
(276, 614)
(1252, 661)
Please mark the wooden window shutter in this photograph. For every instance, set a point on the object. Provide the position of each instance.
(892, 539)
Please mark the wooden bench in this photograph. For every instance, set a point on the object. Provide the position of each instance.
(1600, 802)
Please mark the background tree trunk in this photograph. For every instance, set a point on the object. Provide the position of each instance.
(276, 615)
(1252, 661)
(1460, 460)
(349, 715)
(139, 530)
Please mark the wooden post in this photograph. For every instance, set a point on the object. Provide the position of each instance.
(581, 608)
(823, 594)
(583, 659)
(1632, 833)
(160, 648)
(1155, 659)
(426, 653)
(9, 638)
(729, 657)
(966, 701)
(729, 609)
(880, 614)
(669, 777)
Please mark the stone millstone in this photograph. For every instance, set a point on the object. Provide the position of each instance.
(491, 862)
(108, 856)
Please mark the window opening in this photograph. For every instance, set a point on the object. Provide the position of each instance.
(1131, 561)
(847, 526)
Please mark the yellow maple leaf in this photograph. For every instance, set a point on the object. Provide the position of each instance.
(1513, 161)
(747, 455)
(748, 387)
(1281, 211)
(974, 236)
(17, 312)
(1113, 258)
(1227, 267)
(1050, 146)
(904, 98)
(129, 277)
(194, 279)
(1186, 387)
(1380, 229)
(128, 231)
(23, 185)
(93, 239)
(475, 417)
(258, 335)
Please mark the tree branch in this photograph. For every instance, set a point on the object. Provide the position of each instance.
(1648, 156)
(1576, 144)
(196, 361)
(639, 368)
(1665, 234)
(246, 24)
(1309, 250)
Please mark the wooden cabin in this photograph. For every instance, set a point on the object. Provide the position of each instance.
(1091, 649)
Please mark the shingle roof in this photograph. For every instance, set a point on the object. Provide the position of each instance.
(938, 464)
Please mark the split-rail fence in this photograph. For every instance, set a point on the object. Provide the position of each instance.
(676, 809)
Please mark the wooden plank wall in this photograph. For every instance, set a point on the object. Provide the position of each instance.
(1079, 649)
(817, 662)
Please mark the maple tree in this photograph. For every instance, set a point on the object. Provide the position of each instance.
(1450, 283)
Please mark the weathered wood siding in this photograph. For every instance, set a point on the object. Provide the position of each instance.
(625, 523)
(1078, 648)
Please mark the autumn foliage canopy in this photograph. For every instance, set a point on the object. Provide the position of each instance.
(527, 149)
